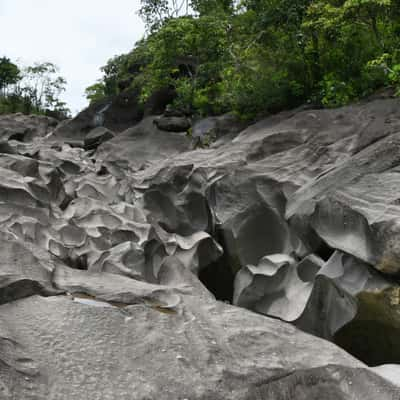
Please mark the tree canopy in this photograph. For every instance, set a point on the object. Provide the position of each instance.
(260, 56)
(9, 74)
(33, 89)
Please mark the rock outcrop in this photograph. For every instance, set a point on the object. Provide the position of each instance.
(173, 124)
(96, 137)
(25, 127)
(115, 254)
(116, 114)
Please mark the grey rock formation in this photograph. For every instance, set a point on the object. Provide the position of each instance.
(390, 371)
(96, 137)
(24, 127)
(318, 297)
(141, 146)
(117, 114)
(202, 350)
(106, 258)
(353, 206)
(25, 270)
(173, 123)
(216, 127)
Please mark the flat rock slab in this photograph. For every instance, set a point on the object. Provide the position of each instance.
(115, 288)
(202, 351)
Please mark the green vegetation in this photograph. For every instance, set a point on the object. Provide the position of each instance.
(260, 56)
(31, 90)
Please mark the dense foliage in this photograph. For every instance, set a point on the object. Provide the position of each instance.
(32, 90)
(260, 56)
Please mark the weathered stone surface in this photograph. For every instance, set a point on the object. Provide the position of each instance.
(117, 114)
(25, 270)
(201, 351)
(115, 288)
(172, 124)
(294, 215)
(320, 298)
(353, 206)
(214, 128)
(25, 127)
(142, 145)
(96, 137)
(246, 182)
(390, 372)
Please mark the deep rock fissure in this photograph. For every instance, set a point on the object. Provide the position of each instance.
(324, 251)
(218, 277)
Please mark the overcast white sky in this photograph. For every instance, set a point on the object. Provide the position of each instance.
(77, 35)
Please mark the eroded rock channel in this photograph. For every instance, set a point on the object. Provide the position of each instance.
(121, 247)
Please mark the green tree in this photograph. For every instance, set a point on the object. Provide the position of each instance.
(343, 38)
(43, 86)
(260, 56)
(9, 74)
(155, 12)
(95, 92)
(34, 89)
(188, 54)
(207, 7)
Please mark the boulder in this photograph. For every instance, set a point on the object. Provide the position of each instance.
(173, 124)
(96, 137)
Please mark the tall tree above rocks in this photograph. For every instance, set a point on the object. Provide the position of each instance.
(10, 74)
(34, 89)
(257, 57)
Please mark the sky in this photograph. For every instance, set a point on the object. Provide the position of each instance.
(77, 35)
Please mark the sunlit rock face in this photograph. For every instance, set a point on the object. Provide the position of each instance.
(115, 246)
